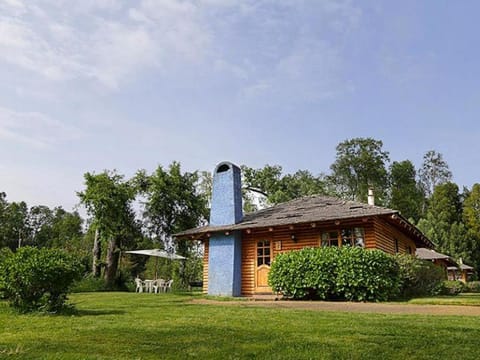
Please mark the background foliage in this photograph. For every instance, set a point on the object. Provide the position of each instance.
(146, 210)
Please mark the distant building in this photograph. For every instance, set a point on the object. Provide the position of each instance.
(453, 270)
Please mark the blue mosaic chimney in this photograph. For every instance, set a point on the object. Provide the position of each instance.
(224, 258)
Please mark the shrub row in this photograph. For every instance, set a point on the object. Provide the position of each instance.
(355, 274)
(38, 279)
(346, 273)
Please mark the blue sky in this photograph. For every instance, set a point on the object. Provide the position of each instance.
(126, 85)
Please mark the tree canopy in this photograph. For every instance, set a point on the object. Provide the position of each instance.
(360, 164)
(146, 210)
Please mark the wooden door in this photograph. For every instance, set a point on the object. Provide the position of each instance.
(263, 260)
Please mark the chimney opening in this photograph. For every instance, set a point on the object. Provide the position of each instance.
(223, 168)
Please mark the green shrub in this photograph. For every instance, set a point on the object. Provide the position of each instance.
(419, 277)
(472, 287)
(308, 272)
(88, 283)
(4, 254)
(452, 287)
(38, 279)
(335, 273)
(366, 275)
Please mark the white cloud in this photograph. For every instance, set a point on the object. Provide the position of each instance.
(261, 46)
(34, 129)
(105, 41)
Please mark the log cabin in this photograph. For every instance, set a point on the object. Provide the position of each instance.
(238, 250)
(441, 260)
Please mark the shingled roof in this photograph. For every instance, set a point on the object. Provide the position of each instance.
(303, 210)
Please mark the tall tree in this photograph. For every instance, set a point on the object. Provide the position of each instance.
(360, 164)
(40, 220)
(17, 229)
(434, 171)
(108, 199)
(445, 211)
(3, 216)
(406, 194)
(471, 217)
(172, 204)
(277, 187)
(67, 228)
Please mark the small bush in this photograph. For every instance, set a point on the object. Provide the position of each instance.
(38, 279)
(472, 287)
(452, 287)
(344, 273)
(419, 277)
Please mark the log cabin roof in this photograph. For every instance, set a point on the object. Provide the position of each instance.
(461, 267)
(311, 209)
(430, 254)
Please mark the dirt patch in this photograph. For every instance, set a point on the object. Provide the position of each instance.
(353, 307)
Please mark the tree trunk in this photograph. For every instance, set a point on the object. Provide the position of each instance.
(97, 255)
(111, 262)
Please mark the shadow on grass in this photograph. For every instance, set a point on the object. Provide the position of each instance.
(87, 312)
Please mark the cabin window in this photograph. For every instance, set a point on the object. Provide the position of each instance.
(353, 237)
(344, 237)
(330, 238)
(397, 248)
(263, 252)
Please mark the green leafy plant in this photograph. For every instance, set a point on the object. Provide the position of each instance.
(38, 279)
(419, 277)
(472, 287)
(366, 275)
(452, 287)
(345, 273)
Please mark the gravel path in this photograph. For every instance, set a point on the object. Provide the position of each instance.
(379, 308)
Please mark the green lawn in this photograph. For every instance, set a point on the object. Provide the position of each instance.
(461, 299)
(147, 326)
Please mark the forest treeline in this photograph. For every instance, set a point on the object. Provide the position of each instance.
(146, 210)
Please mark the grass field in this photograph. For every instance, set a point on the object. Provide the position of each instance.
(461, 299)
(147, 326)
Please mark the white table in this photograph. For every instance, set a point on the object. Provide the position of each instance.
(148, 285)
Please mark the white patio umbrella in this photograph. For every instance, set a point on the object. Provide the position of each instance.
(157, 253)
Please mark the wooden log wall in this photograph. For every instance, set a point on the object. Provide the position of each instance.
(281, 241)
(386, 234)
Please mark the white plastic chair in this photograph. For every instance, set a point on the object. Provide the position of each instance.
(168, 285)
(158, 285)
(139, 285)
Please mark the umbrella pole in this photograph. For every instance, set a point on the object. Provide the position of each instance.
(156, 267)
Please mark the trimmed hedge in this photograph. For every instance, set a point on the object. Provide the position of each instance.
(346, 273)
(35, 279)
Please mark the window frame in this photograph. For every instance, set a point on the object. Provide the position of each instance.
(354, 234)
(261, 252)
